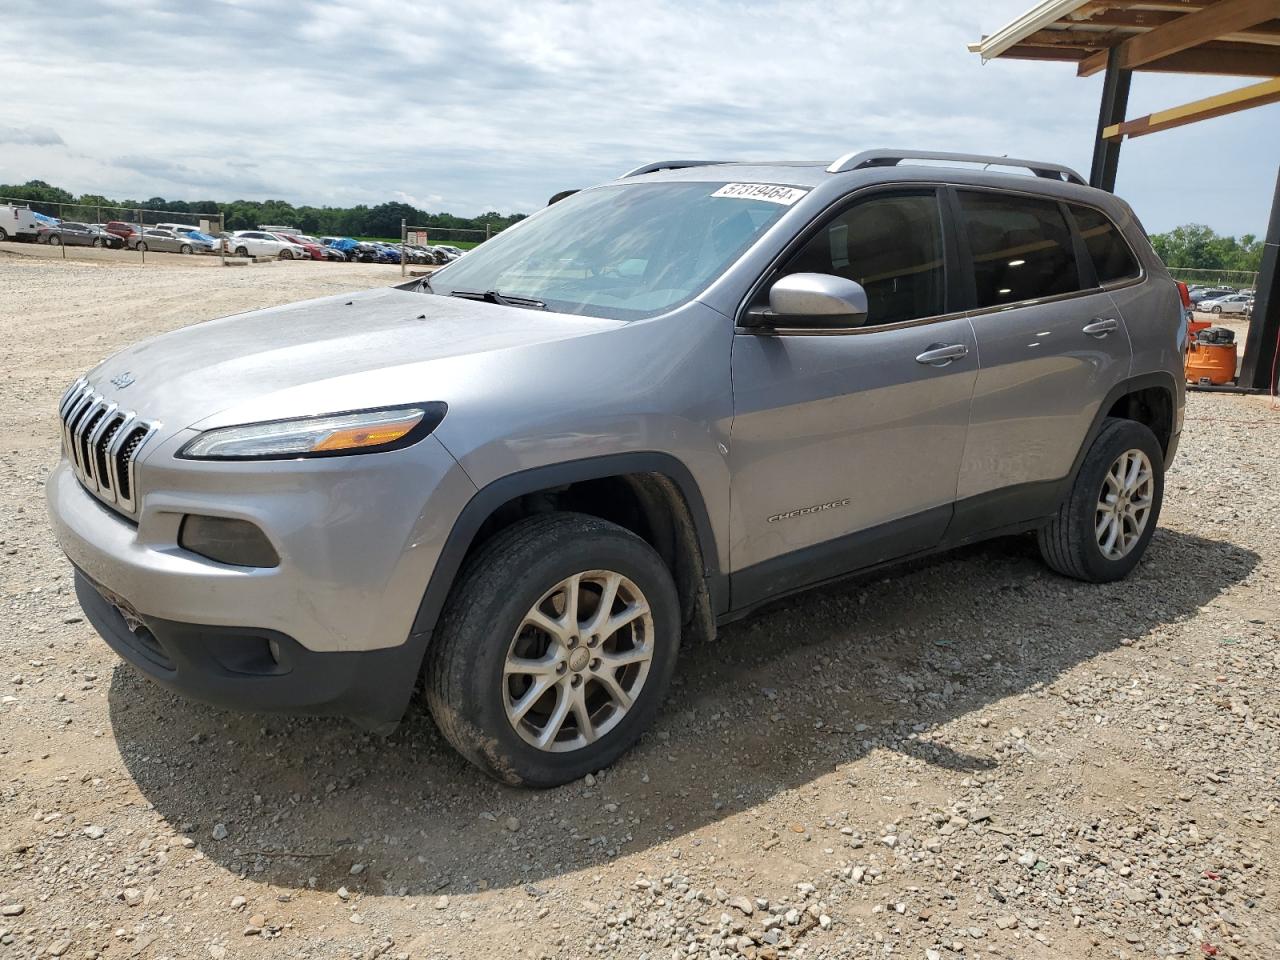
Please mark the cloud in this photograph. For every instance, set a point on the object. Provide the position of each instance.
(30, 136)
(493, 105)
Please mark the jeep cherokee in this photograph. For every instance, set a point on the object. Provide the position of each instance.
(638, 414)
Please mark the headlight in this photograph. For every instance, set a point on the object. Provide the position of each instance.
(333, 435)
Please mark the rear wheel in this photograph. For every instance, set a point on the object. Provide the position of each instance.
(1109, 517)
(555, 649)
(4, 235)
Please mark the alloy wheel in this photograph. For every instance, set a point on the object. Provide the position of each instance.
(578, 661)
(1124, 504)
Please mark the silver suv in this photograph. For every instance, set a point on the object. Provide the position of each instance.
(635, 416)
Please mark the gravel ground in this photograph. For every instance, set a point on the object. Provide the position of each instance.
(968, 758)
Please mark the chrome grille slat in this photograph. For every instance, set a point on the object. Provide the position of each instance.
(102, 441)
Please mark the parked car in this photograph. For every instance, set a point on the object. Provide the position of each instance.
(1233, 303)
(524, 495)
(454, 252)
(314, 248)
(259, 243)
(163, 241)
(345, 245)
(125, 231)
(75, 234)
(1209, 293)
(18, 222)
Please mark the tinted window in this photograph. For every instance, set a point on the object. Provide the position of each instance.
(1111, 256)
(892, 245)
(1021, 248)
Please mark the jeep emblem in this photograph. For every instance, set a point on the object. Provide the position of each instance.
(122, 380)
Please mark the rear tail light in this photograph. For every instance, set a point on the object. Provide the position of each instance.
(1184, 293)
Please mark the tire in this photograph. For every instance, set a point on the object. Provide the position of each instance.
(286, 254)
(143, 247)
(242, 252)
(4, 234)
(1217, 308)
(185, 248)
(515, 575)
(97, 241)
(1074, 543)
(55, 240)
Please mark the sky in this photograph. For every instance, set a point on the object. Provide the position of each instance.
(476, 105)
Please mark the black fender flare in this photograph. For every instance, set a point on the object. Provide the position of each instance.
(489, 498)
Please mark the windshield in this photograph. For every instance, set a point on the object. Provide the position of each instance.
(625, 252)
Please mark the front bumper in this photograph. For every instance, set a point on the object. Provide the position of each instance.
(257, 670)
(357, 546)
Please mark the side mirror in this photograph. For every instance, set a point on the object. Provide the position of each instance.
(813, 301)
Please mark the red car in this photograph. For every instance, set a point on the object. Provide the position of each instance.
(314, 249)
(124, 231)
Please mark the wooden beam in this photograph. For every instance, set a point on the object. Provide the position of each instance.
(1257, 95)
(1150, 19)
(1080, 39)
(1210, 23)
(1221, 59)
(1067, 54)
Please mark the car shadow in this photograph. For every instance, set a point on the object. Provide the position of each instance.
(808, 685)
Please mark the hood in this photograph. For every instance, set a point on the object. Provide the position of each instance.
(345, 352)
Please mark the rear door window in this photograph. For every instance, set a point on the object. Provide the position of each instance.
(1112, 258)
(1021, 248)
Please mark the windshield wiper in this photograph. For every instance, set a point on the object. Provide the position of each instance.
(493, 296)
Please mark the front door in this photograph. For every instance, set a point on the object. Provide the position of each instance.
(845, 448)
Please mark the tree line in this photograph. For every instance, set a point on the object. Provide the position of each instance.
(382, 220)
(1194, 246)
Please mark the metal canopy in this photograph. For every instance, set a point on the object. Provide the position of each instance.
(1218, 37)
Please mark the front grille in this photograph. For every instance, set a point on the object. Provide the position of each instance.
(102, 442)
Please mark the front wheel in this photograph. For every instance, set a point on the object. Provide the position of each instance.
(554, 650)
(55, 240)
(4, 235)
(97, 241)
(185, 248)
(242, 252)
(1217, 308)
(286, 254)
(143, 247)
(1103, 528)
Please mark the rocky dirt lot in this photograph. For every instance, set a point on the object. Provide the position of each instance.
(968, 758)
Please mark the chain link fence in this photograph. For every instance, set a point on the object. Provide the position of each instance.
(1235, 279)
(137, 229)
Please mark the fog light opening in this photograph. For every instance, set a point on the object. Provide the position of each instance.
(227, 540)
(273, 648)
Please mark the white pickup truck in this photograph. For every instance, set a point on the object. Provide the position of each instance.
(17, 223)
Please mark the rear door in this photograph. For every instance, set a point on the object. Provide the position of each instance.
(1051, 344)
(846, 446)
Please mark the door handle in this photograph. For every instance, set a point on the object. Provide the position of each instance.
(940, 354)
(1100, 328)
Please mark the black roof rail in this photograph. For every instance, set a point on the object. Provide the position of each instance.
(669, 165)
(859, 160)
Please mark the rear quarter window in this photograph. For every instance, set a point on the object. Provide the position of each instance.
(1112, 257)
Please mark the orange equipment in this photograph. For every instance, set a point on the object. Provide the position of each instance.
(1211, 357)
